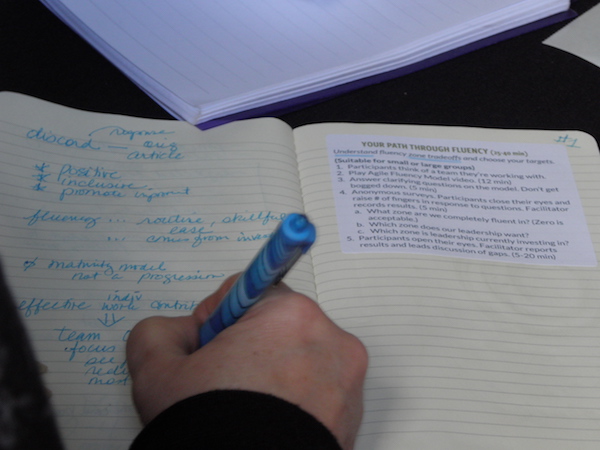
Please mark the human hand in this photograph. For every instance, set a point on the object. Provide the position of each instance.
(284, 346)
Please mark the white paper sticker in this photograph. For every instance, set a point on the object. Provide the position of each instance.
(484, 200)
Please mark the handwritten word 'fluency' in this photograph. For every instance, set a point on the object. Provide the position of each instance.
(157, 149)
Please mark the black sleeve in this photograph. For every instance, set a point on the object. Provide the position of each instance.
(235, 420)
(26, 418)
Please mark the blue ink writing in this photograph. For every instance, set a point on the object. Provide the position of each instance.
(47, 216)
(41, 177)
(68, 335)
(109, 320)
(117, 369)
(92, 276)
(567, 140)
(145, 267)
(110, 381)
(172, 152)
(114, 130)
(168, 220)
(77, 337)
(48, 136)
(29, 264)
(153, 195)
(263, 217)
(89, 193)
(202, 234)
(37, 305)
(106, 267)
(169, 278)
(243, 237)
(100, 360)
(153, 239)
(95, 181)
(87, 172)
(122, 301)
(173, 305)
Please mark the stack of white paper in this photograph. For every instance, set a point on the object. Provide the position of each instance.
(204, 60)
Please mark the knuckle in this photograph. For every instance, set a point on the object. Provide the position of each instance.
(146, 329)
(358, 353)
(299, 309)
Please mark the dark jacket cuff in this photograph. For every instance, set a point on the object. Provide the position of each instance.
(238, 420)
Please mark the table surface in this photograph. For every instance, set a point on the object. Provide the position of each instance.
(517, 83)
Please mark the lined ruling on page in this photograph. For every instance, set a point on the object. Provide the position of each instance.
(465, 353)
(107, 219)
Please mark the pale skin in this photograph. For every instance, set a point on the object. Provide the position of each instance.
(283, 346)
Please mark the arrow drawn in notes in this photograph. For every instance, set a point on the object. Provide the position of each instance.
(110, 320)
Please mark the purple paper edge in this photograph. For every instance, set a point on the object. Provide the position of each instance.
(296, 103)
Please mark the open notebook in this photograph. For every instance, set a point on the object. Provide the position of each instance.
(209, 60)
(489, 338)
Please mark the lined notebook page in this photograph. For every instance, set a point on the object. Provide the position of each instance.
(464, 353)
(106, 219)
(208, 59)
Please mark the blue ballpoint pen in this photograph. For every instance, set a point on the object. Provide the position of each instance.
(291, 239)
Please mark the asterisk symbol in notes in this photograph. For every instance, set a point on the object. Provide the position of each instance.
(39, 187)
(41, 177)
(42, 167)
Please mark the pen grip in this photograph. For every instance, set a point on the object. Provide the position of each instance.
(291, 239)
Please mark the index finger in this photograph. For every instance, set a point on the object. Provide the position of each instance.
(203, 311)
(207, 307)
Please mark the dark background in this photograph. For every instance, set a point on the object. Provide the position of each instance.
(518, 83)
